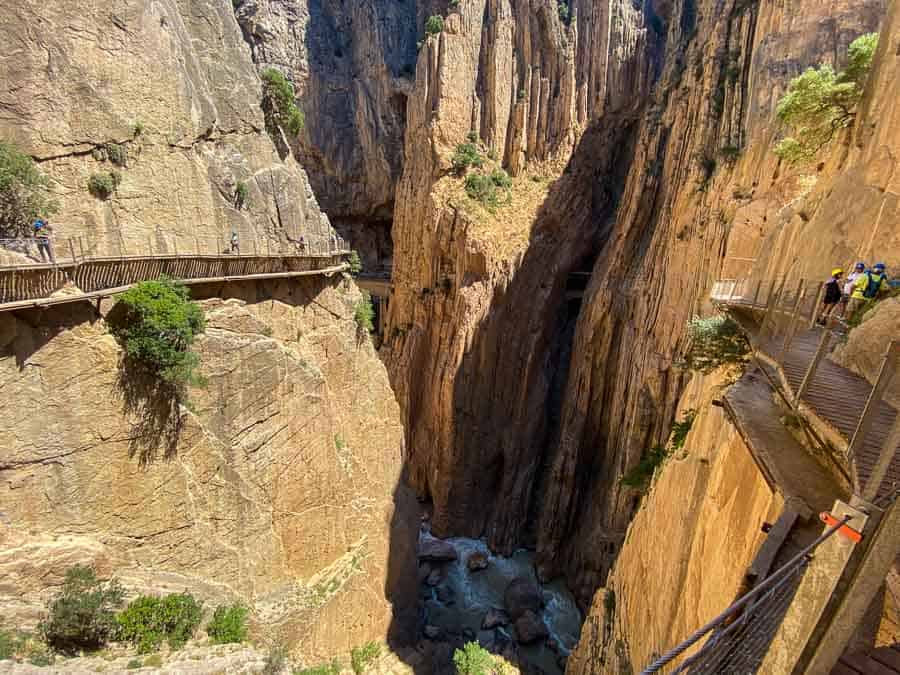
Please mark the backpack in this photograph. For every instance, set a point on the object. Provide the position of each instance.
(873, 285)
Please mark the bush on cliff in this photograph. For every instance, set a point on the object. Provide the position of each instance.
(229, 624)
(81, 617)
(24, 193)
(362, 657)
(103, 184)
(148, 620)
(820, 102)
(280, 102)
(434, 25)
(364, 313)
(473, 659)
(156, 323)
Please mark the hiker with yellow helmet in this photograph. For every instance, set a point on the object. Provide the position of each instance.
(832, 295)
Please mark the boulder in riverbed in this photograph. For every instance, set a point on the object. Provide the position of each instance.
(522, 595)
(494, 618)
(477, 561)
(435, 550)
(530, 627)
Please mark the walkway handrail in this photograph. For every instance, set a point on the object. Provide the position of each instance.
(798, 302)
(768, 584)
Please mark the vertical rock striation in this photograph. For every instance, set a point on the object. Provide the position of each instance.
(172, 82)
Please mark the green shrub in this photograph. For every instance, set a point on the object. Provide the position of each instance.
(714, 342)
(149, 620)
(501, 179)
(473, 659)
(563, 9)
(434, 25)
(820, 102)
(137, 128)
(8, 645)
(484, 189)
(103, 184)
(454, 4)
(639, 477)
(355, 263)
(361, 657)
(229, 624)
(117, 153)
(364, 313)
(38, 654)
(156, 323)
(467, 155)
(24, 192)
(680, 429)
(82, 615)
(241, 195)
(134, 664)
(280, 102)
(333, 668)
(730, 153)
(339, 442)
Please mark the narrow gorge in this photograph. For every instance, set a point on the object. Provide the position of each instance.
(451, 258)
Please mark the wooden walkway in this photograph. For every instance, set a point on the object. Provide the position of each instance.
(881, 661)
(39, 285)
(836, 395)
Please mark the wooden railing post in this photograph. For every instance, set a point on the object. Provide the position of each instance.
(72, 250)
(771, 308)
(885, 375)
(814, 314)
(813, 365)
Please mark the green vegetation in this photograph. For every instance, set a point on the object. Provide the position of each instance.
(473, 659)
(117, 153)
(680, 429)
(137, 128)
(434, 25)
(103, 184)
(148, 620)
(339, 442)
(453, 4)
(485, 189)
(82, 615)
(21, 645)
(229, 624)
(820, 102)
(609, 605)
(639, 477)
(467, 155)
(24, 192)
(708, 166)
(355, 263)
(730, 153)
(8, 645)
(276, 660)
(241, 195)
(280, 104)
(361, 657)
(156, 323)
(333, 668)
(562, 9)
(714, 342)
(154, 661)
(364, 313)
(134, 664)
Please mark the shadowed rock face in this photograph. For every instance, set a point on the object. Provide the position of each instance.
(520, 428)
(353, 65)
(177, 71)
(278, 489)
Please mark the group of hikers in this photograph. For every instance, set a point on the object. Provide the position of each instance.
(847, 296)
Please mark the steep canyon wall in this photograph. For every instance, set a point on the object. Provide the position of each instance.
(277, 486)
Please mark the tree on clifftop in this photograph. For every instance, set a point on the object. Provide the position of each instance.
(820, 102)
(24, 192)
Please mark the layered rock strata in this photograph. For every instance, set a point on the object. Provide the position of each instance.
(172, 86)
(276, 486)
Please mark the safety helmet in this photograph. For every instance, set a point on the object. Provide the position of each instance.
(836, 271)
(879, 267)
(860, 266)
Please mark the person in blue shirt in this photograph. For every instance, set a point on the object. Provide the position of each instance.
(42, 235)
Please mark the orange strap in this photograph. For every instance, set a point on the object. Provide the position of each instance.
(845, 530)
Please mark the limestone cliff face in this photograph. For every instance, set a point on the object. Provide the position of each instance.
(278, 487)
(477, 294)
(177, 71)
(664, 587)
(520, 423)
(352, 65)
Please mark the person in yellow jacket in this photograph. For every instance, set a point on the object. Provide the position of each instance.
(868, 286)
